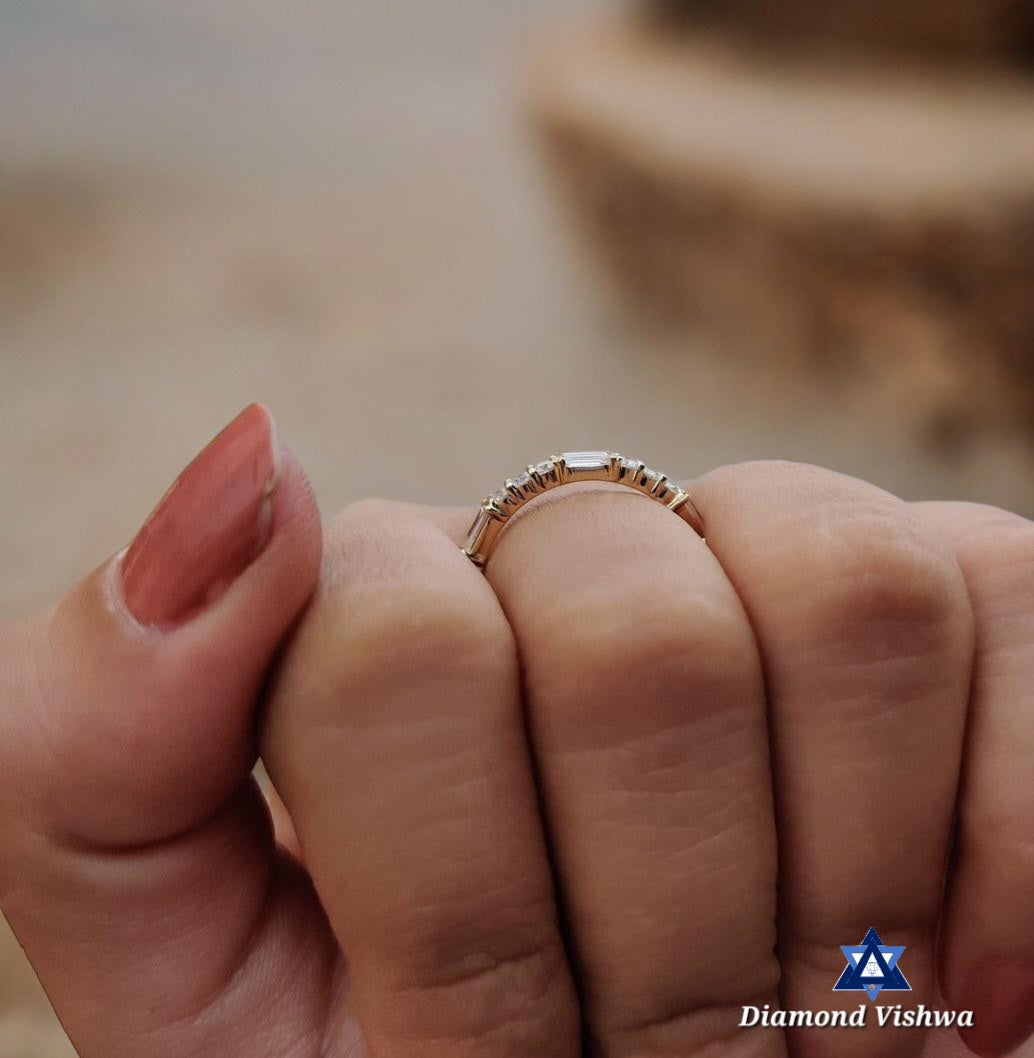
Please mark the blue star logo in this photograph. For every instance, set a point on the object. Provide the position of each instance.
(871, 967)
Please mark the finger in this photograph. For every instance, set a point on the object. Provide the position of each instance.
(138, 860)
(865, 633)
(648, 721)
(989, 926)
(396, 738)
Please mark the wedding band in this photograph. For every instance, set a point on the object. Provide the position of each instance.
(496, 510)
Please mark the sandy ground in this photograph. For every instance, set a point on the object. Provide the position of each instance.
(336, 209)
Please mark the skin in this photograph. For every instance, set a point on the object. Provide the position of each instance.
(589, 803)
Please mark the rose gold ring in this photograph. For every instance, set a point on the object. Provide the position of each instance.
(496, 510)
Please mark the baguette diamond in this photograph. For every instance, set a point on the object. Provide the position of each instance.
(586, 460)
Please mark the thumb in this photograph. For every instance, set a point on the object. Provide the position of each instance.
(137, 856)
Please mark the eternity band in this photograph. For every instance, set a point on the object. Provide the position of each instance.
(496, 510)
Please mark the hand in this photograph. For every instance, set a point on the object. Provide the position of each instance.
(825, 619)
(711, 766)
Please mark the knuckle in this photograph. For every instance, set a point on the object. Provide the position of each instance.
(634, 634)
(387, 610)
(358, 640)
(852, 567)
(650, 632)
(430, 626)
(880, 581)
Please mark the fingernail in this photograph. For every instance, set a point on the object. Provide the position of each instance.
(1000, 992)
(210, 525)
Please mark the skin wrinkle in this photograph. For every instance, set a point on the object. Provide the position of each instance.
(461, 901)
(87, 848)
(547, 982)
(480, 905)
(668, 1021)
(282, 876)
(715, 869)
(100, 867)
(236, 958)
(486, 964)
(224, 981)
(643, 743)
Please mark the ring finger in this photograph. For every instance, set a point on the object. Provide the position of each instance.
(646, 707)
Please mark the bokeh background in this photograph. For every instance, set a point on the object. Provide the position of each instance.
(441, 238)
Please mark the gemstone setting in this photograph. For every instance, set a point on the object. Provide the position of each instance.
(497, 508)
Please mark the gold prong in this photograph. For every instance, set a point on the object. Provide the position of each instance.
(478, 560)
(550, 478)
(678, 499)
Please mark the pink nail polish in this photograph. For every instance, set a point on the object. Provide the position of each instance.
(1000, 992)
(210, 525)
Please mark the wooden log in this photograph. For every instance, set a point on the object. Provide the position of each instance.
(847, 219)
(973, 31)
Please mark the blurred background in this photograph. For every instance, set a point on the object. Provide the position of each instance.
(442, 238)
